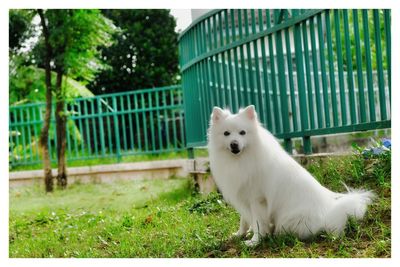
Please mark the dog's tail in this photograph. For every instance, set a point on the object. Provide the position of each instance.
(353, 203)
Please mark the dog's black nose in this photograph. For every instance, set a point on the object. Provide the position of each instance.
(235, 147)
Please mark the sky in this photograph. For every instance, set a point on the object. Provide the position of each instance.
(183, 18)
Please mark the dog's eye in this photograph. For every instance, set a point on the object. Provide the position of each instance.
(226, 133)
(242, 132)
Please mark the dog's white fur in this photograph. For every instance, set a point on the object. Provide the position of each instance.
(270, 190)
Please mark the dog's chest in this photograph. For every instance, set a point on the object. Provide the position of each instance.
(237, 180)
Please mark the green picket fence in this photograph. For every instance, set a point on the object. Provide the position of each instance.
(148, 121)
(308, 72)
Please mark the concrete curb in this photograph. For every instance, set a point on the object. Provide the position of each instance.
(162, 169)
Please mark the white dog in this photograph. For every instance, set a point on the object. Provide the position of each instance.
(269, 189)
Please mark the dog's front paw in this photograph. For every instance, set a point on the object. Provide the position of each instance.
(251, 243)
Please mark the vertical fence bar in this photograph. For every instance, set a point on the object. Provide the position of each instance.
(349, 68)
(206, 104)
(159, 130)
(291, 82)
(166, 123)
(174, 120)
(315, 74)
(226, 94)
(323, 71)
(88, 139)
(360, 76)
(340, 67)
(109, 113)
(16, 128)
(236, 62)
(217, 81)
(122, 109)
(131, 135)
(94, 128)
(116, 128)
(74, 138)
(301, 87)
(388, 39)
(260, 102)
(35, 132)
(144, 119)
(81, 129)
(22, 127)
(250, 89)
(331, 68)
(243, 95)
(151, 115)
(308, 76)
(268, 112)
(233, 104)
(199, 76)
(282, 82)
(210, 68)
(208, 94)
(102, 141)
(181, 119)
(29, 121)
(379, 64)
(300, 77)
(277, 124)
(370, 82)
(202, 90)
(137, 120)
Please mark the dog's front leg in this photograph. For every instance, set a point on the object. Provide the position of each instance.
(243, 228)
(259, 224)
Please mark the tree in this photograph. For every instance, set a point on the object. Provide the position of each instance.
(44, 135)
(69, 46)
(145, 53)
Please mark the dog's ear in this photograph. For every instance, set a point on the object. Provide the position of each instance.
(217, 114)
(250, 112)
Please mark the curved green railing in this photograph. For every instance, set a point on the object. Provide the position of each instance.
(308, 72)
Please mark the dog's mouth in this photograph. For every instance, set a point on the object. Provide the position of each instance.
(235, 151)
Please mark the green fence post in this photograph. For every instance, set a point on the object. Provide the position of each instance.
(116, 129)
(307, 145)
(190, 152)
(288, 145)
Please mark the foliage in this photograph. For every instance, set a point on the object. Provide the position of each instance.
(19, 27)
(75, 36)
(145, 53)
(27, 85)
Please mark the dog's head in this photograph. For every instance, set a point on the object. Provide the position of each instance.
(233, 132)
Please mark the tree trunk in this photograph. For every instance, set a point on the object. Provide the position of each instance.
(44, 134)
(61, 133)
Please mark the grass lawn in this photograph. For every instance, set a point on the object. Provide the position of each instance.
(165, 218)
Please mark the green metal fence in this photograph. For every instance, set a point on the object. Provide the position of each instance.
(308, 72)
(111, 125)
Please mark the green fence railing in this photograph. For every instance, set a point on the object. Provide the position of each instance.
(111, 125)
(308, 72)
